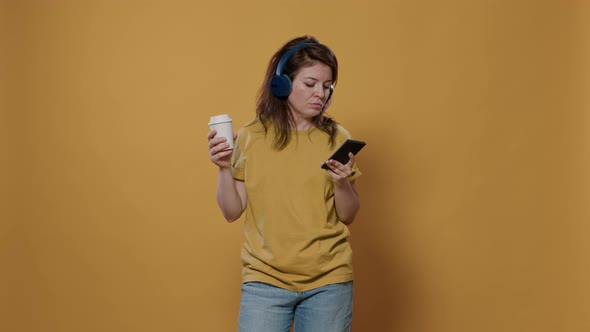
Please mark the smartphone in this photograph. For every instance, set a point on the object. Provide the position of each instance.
(341, 154)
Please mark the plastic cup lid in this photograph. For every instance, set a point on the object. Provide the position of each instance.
(220, 118)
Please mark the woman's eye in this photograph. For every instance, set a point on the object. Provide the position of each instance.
(309, 85)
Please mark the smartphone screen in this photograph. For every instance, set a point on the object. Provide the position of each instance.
(341, 154)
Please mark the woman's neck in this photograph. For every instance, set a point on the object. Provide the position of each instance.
(302, 123)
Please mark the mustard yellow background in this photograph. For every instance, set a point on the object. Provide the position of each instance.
(475, 190)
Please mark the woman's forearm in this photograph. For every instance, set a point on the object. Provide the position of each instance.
(347, 201)
(230, 195)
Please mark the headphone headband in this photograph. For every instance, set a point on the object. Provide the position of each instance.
(287, 56)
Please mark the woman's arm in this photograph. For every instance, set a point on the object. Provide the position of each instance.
(347, 201)
(346, 196)
(231, 193)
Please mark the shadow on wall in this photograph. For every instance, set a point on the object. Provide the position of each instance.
(386, 293)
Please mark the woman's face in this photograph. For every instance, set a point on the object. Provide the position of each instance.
(311, 88)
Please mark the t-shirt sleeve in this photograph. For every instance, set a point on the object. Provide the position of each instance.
(355, 173)
(238, 160)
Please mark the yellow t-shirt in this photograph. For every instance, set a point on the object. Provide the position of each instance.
(293, 238)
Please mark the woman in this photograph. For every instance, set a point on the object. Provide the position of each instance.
(297, 261)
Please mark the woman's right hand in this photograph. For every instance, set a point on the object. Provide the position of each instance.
(217, 150)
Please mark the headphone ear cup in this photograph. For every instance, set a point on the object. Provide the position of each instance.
(280, 86)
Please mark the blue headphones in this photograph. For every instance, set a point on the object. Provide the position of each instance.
(280, 84)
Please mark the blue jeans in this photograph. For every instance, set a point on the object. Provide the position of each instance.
(266, 308)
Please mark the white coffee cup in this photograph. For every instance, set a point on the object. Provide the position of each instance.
(223, 125)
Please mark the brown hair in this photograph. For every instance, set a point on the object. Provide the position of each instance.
(274, 110)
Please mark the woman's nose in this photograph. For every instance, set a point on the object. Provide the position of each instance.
(320, 92)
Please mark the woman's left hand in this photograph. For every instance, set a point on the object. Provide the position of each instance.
(340, 172)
